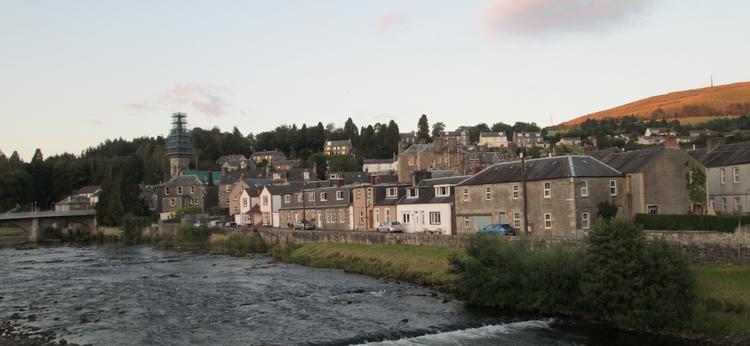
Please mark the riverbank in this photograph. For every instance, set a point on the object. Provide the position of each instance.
(722, 312)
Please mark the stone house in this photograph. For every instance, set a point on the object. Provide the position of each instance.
(656, 179)
(493, 139)
(235, 196)
(568, 141)
(186, 191)
(343, 147)
(328, 208)
(408, 138)
(528, 139)
(728, 178)
(269, 156)
(461, 137)
(429, 206)
(439, 155)
(246, 179)
(270, 201)
(660, 131)
(235, 162)
(375, 204)
(563, 196)
(285, 165)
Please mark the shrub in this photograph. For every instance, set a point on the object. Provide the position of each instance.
(635, 283)
(189, 235)
(691, 222)
(131, 228)
(607, 210)
(238, 244)
(512, 275)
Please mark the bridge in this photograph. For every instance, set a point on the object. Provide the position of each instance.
(36, 221)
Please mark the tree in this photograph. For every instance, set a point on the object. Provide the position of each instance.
(350, 131)
(343, 163)
(607, 210)
(503, 127)
(437, 129)
(696, 185)
(423, 129)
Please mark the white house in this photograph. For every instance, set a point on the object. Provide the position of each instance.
(429, 206)
(249, 210)
(379, 165)
(270, 202)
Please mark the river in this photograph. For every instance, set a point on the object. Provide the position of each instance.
(136, 295)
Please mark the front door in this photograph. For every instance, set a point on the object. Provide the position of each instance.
(319, 220)
(502, 217)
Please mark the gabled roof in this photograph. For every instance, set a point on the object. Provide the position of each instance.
(340, 142)
(75, 199)
(88, 190)
(250, 178)
(426, 196)
(231, 158)
(203, 175)
(543, 169)
(454, 180)
(727, 155)
(492, 134)
(284, 189)
(184, 180)
(636, 160)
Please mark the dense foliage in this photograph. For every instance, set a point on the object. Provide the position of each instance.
(617, 276)
(722, 223)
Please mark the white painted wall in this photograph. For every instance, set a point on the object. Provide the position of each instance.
(420, 217)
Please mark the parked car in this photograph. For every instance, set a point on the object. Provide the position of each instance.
(391, 227)
(230, 225)
(501, 229)
(214, 223)
(303, 225)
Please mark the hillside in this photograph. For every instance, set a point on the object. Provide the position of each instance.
(704, 102)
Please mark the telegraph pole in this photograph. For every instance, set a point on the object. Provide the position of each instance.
(525, 199)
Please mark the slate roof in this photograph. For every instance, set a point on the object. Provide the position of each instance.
(250, 178)
(698, 154)
(427, 196)
(203, 175)
(543, 169)
(417, 148)
(727, 155)
(286, 162)
(77, 199)
(231, 158)
(634, 161)
(377, 161)
(604, 154)
(340, 142)
(492, 134)
(184, 180)
(281, 190)
(455, 180)
(88, 190)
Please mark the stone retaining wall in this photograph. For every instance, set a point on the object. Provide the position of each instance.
(285, 236)
(708, 246)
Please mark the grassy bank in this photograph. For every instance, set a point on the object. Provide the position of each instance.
(723, 306)
(11, 232)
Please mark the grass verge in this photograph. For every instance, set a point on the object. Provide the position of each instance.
(723, 304)
(11, 232)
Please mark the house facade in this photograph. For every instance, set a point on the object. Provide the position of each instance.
(493, 139)
(728, 178)
(379, 166)
(563, 196)
(249, 211)
(568, 141)
(184, 192)
(269, 156)
(270, 201)
(328, 208)
(374, 204)
(235, 162)
(461, 137)
(429, 207)
(439, 155)
(343, 147)
(226, 199)
(528, 139)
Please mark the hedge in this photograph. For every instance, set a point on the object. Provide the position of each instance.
(690, 222)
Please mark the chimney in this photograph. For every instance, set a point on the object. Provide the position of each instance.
(210, 178)
(713, 142)
(671, 142)
(418, 176)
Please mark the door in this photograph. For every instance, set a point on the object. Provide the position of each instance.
(481, 221)
(319, 220)
(502, 217)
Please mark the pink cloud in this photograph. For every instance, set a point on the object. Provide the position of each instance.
(390, 20)
(208, 99)
(530, 17)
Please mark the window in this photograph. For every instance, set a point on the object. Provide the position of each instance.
(652, 209)
(299, 198)
(192, 190)
(335, 176)
(287, 198)
(265, 201)
(391, 192)
(227, 201)
(547, 221)
(434, 218)
(613, 188)
(361, 217)
(406, 218)
(179, 190)
(387, 215)
(339, 195)
(324, 196)
(487, 194)
(166, 191)
(171, 202)
(547, 190)
(342, 216)
(227, 188)
(195, 201)
(369, 192)
(585, 221)
(467, 222)
(377, 216)
(737, 205)
(244, 202)
(235, 197)
(585, 188)
(723, 176)
(411, 161)
(359, 193)
(514, 189)
(517, 220)
(724, 204)
(311, 196)
(466, 194)
(442, 191)
(736, 175)
(412, 193)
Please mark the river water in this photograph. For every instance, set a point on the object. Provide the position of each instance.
(114, 295)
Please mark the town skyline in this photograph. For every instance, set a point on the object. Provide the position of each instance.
(115, 71)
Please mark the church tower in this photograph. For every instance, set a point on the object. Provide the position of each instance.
(179, 147)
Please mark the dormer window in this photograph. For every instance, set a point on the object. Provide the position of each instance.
(299, 197)
(442, 191)
(311, 196)
(324, 196)
(339, 195)
(287, 198)
(335, 176)
(412, 193)
(391, 192)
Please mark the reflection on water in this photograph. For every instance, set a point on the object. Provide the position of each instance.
(112, 295)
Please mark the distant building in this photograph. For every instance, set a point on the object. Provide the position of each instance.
(270, 202)
(226, 199)
(374, 204)
(528, 139)
(651, 140)
(728, 178)
(179, 146)
(438, 155)
(338, 147)
(660, 131)
(493, 139)
(285, 165)
(268, 156)
(85, 198)
(460, 136)
(379, 166)
(569, 141)
(184, 192)
(235, 162)
(408, 138)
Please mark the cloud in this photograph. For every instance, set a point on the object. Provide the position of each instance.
(390, 20)
(209, 99)
(538, 17)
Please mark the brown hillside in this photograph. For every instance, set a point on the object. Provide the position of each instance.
(717, 97)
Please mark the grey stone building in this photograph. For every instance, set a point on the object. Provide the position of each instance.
(728, 178)
(563, 196)
(184, 192)
(329, 208)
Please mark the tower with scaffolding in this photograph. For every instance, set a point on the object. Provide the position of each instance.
(179, 146)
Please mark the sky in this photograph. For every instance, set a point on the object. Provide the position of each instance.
(75, 73)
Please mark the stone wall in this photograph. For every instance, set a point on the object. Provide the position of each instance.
(710, 246)
(284, 236)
